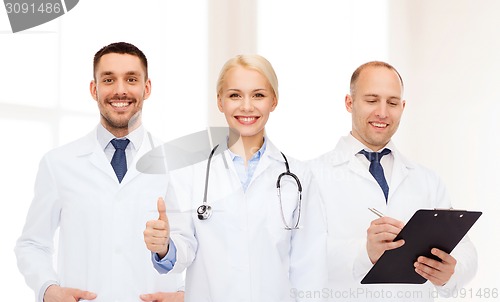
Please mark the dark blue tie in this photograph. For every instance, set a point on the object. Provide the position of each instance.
(376, 168)
(119, 160)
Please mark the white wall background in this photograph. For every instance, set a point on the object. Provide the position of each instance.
(447, 51)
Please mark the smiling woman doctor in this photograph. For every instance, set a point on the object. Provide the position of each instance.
(238, 238)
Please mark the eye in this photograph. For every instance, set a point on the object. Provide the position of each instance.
(371, 101)
(107, 80)
(393, 103)
(259, 95)
(132, 80)
(234, 95)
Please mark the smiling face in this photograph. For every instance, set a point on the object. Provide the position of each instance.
(376, 106)
(246, 98)
(120, 88)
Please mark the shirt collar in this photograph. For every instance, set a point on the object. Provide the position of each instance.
(257, 155)
(104, 137)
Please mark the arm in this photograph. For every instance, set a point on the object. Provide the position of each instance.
(178, 240)
(457, 268)
(157, 239)
(379, 238)
(34, 249)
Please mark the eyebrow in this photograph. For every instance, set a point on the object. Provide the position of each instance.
(377, 96)
(106, 73)
(239, 90)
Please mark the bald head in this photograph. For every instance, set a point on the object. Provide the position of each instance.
(357, 72)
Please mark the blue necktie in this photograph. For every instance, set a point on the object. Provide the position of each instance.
(376, 168)
(119, 160)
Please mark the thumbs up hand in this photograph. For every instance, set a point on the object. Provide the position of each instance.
(157, 233)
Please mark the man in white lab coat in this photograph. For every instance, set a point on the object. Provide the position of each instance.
(357, 240)
(92, 193)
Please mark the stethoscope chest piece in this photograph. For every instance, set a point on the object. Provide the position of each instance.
(204, 212)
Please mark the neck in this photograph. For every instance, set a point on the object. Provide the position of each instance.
(245, 146)
(121, 131)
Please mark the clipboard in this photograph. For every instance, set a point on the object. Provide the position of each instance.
(425, 230)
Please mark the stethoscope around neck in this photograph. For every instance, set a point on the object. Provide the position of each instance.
(204, 211)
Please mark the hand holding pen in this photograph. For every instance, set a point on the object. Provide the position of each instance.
(380, 235)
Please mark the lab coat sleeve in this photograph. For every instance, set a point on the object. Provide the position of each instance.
(465, 252)
(182, 233)
(308, 267)
(35, 248)
(362, 262)
(466, 268)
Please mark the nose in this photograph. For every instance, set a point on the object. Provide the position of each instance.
(382, 110)
(120, 88)
(246, 104)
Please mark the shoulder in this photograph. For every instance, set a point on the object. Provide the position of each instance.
(74, 148)
(416, 169)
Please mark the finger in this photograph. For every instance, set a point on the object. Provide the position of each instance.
(382, 237)
(435, 271)
(383, 228)
(427, 274)
(154, 225)
(390, 245)
(441, 266)
(389, 220)
(147, 297)
(162, 209)
(80, 294)
(445, 257)
(434, 275)
(395, 244)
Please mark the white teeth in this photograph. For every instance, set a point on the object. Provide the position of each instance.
(119, 104)
(379, 125)
(247, 119)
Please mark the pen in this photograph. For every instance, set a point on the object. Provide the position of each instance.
(376, 212)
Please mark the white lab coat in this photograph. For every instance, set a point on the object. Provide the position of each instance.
(243, 252)
(348, 190)
(101, 244)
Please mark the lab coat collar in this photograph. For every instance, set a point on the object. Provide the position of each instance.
(347, 147)
(345, 153)
(91, 147)
(271, 154)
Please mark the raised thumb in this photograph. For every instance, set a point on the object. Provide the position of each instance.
(162, 209)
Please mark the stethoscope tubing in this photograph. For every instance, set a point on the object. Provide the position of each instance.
(204, 211)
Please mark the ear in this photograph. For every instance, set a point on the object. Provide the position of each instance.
(348, 103)
(404, 104)
(219, 103)
(93, 89)
(275, 103)
(147, 89)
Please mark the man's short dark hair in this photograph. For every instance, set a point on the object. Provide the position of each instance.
(121, 48)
